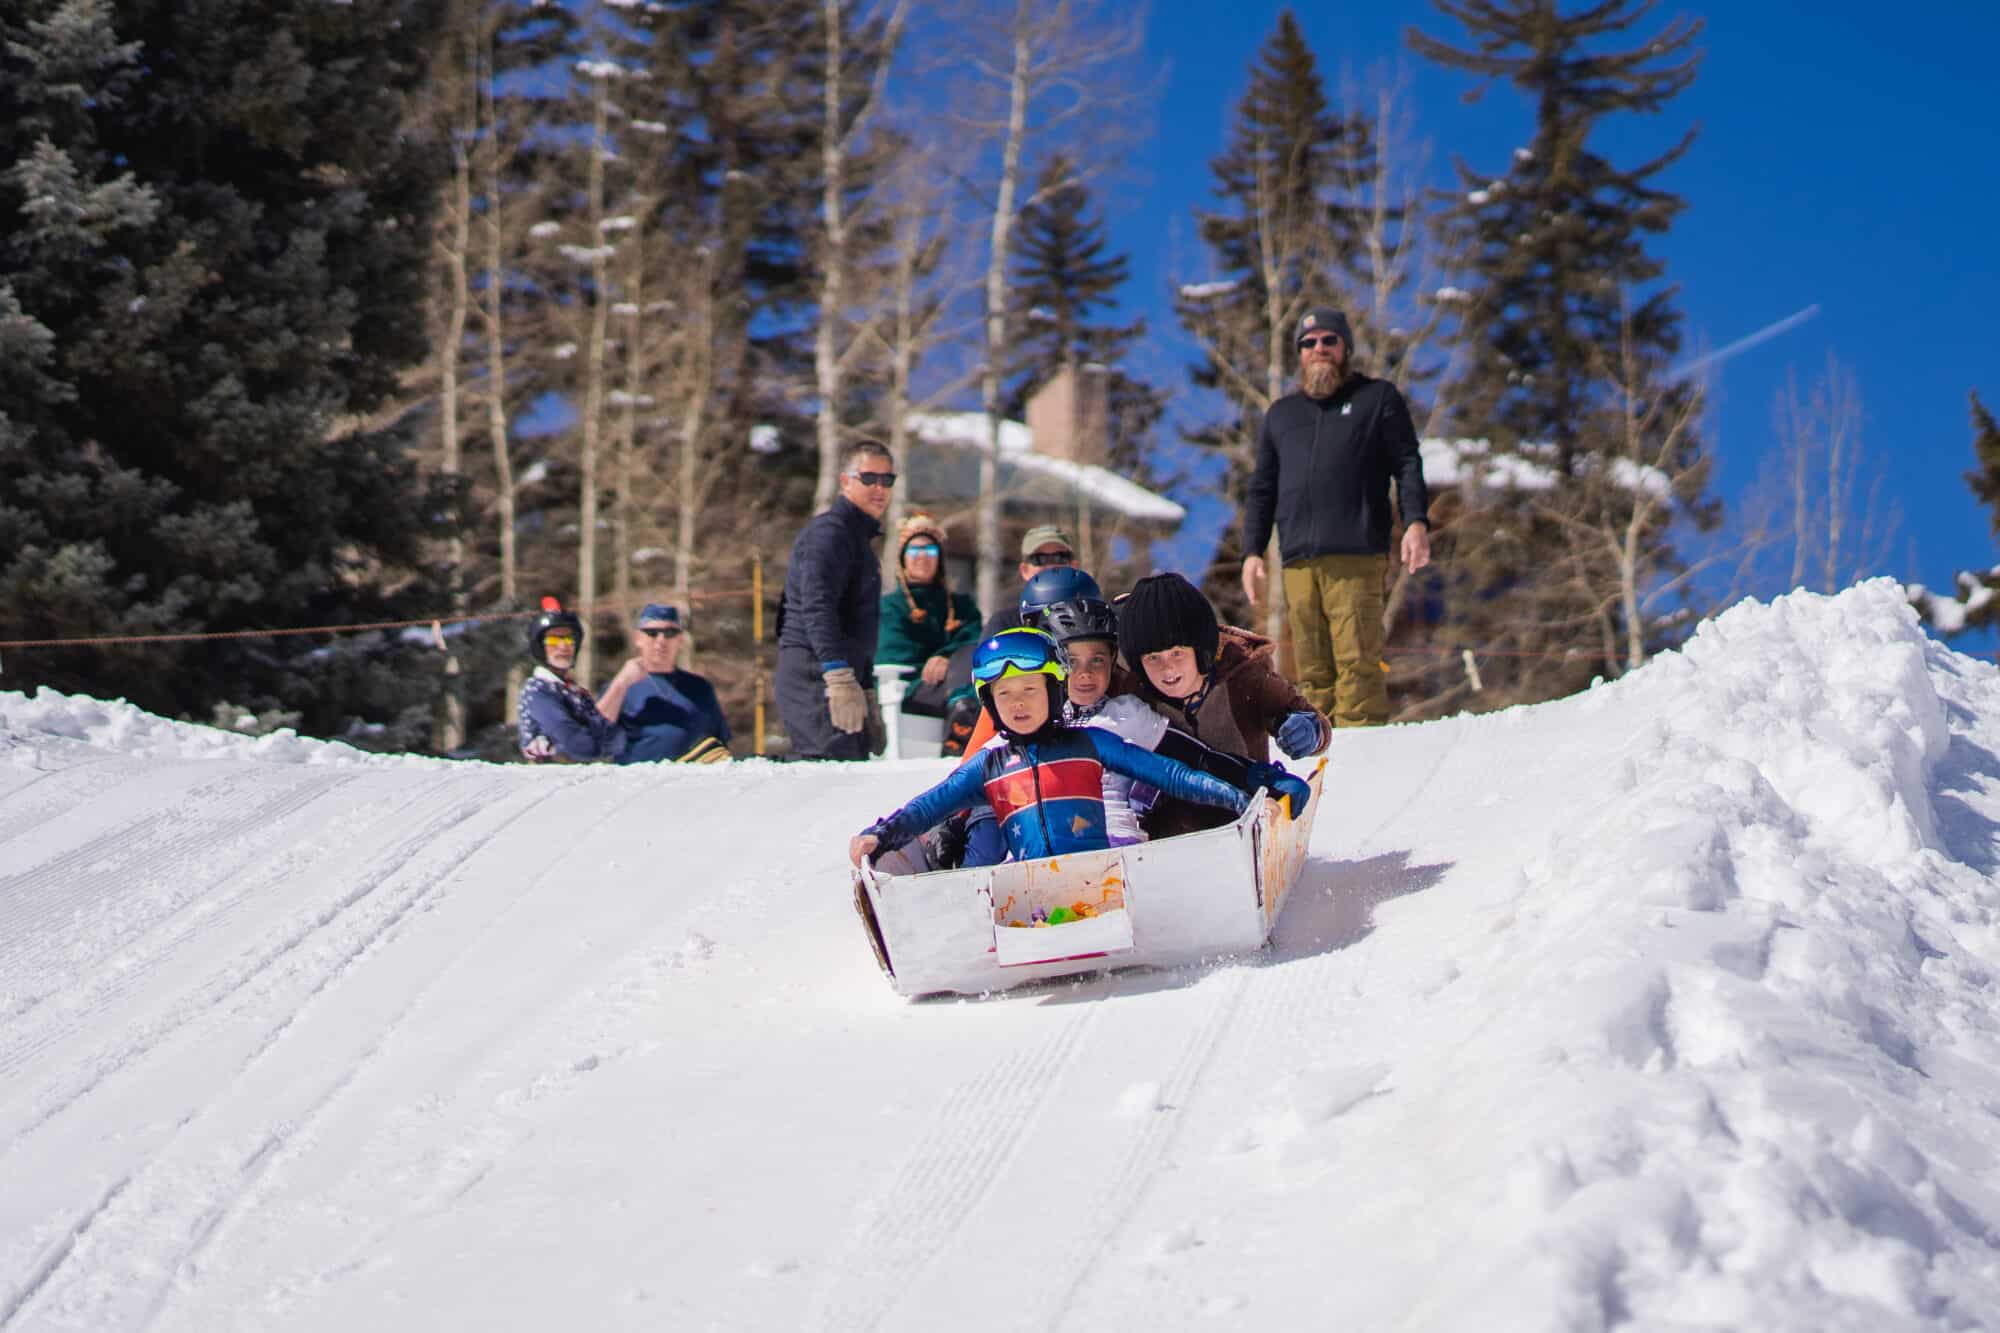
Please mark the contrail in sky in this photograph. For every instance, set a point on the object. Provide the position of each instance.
(1765, 334)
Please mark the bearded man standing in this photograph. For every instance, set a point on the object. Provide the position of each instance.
(1325, 457)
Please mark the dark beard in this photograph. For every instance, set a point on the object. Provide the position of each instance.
(1319, 380)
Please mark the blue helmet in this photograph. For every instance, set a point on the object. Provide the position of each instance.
(1062, 583)
(1018, 652)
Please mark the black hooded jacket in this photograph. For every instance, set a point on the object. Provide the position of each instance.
(1323, 472)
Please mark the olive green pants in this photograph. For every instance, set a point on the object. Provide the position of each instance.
(1334, 603)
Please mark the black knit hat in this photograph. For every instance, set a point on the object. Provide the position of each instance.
(1325, 319)
(1166, 611)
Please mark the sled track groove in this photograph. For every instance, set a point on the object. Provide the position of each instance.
(280, 1144)
(54, 790)
(45, 1268)
(907, 1225)
(158, 848)
(1114, 1206)
(368, 935)
(176, 929)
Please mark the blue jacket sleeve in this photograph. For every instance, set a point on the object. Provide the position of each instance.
(710, 708)
(966, 786)
(595, 737)
(1169, 775)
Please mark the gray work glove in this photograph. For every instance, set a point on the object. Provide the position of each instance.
(845, 703)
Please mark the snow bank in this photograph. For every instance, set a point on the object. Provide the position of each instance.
(1697, 1031)
(29, 724)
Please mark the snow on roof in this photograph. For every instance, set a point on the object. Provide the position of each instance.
(1471, 462)
(1049, 480)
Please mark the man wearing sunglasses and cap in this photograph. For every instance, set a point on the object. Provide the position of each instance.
(667, 715)
(1325, 457)
(832, 609)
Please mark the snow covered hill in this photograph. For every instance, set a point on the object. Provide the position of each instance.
(1671, 1005)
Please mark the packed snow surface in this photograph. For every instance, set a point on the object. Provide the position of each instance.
(1670, 1005)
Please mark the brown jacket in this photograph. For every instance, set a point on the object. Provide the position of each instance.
(1245, 701)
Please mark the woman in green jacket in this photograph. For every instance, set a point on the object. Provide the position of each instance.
(927, 626)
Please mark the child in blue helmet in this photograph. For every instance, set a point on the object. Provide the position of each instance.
(1045, 785)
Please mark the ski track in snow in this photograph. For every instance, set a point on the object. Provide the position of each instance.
(307, 956)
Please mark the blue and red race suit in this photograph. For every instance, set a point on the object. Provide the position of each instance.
(1048, 791)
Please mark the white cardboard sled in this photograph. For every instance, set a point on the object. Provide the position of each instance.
(1172, 901)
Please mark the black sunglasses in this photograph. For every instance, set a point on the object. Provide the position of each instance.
(1043, 559)
(1330, 340)
(668, 633)
(882, 479)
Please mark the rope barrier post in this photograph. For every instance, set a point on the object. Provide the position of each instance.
(757, 637)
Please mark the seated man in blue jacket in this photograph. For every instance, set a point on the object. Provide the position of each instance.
(559, 721)
(666, 713)
(1046, 784)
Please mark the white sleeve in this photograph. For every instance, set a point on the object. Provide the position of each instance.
(1130, 718)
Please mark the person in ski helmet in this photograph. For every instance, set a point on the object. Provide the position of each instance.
(567, 629)
(1063, 583)
(1045, 784)
(1216, 683)
(559, 720)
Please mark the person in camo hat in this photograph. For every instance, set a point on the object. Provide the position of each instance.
(667, 714)
(1043, 547)
(1325, 457)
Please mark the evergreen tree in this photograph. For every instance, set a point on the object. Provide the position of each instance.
(1064, 280)
(1977, 605)
(212, 229)
(1565, 350)
(1289, 236)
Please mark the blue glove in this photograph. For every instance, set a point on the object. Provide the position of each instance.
(1298, 734)
(1281, 783)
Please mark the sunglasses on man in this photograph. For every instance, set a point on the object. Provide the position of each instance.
(883, 479)
(1330, 340)
(559, 638)
(666, 632)
(1044, 559)
(927, 548)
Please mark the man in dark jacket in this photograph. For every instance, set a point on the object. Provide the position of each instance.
(832, 608)
(1325, 457)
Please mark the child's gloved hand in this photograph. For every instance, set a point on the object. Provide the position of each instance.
(1298, 734)
(1281, 783)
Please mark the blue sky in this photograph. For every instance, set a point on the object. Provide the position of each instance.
(1845, 160)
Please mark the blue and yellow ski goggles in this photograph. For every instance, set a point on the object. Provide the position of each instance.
(1017, 652)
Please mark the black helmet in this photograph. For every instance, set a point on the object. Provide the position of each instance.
(1081, 618)
(1062, 583)
(552, 617)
